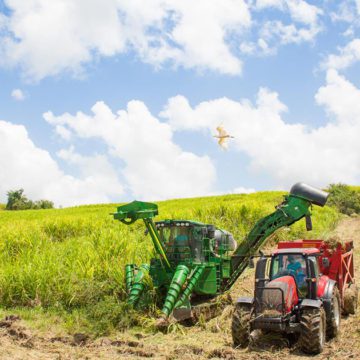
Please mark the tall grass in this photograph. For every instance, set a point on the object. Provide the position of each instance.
(73, 259)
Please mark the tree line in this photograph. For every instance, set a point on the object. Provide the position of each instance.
(17, 200)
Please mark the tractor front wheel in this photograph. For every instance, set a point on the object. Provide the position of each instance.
(240, 327)
(350, 300)
(313, 330)
(333, 318)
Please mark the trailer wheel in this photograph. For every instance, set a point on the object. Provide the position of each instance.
(350, 299)
(333, 318)
(240, 327)
(313, 330)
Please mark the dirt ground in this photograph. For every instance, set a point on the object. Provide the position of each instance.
(211, 340)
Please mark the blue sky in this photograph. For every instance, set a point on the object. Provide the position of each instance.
(281, 76)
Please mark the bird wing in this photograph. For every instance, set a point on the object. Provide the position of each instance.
(223, 143)
(221, 130)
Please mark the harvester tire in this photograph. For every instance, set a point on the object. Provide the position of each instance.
(350, 300)
(333, 317)
(313, 330)
(240, 326)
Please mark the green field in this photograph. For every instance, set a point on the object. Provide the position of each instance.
(69, 263)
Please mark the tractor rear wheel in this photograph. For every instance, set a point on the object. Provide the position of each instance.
(240, 327)
(350, 299)
(313, 330)
(333, 318)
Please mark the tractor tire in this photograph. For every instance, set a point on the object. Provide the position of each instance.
(313, 330)
(240, 326)
(333, 318)
(350, 300)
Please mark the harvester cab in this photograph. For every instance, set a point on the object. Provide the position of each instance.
(196, 261)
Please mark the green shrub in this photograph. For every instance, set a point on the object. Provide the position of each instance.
(344, 198)
(17, 200)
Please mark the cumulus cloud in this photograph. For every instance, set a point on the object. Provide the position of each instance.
(155, 167)
(18, 95)
(346, 56)
(24, 165)
(300, 11)
(282, 151)
(304, 26)
(45, 37)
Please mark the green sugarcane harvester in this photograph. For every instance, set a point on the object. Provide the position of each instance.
(196, 261)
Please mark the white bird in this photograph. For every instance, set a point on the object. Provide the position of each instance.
(223, 136)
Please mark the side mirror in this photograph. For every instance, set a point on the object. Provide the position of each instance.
(251, 263)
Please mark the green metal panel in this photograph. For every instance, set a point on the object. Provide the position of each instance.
(135, 210)
(207, 284)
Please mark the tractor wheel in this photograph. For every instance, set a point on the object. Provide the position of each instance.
(240, 327)
(313, 330)
(350, 300)
(333, 318)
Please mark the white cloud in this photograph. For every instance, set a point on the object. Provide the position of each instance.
(243, 190)
(357, 3)
(299, 10)
(347, 56)
(46, 37)
(303, 27)
(345, 11)
(263, 4)
(276, 31)
(155, 167)
(26, 166)
(285, 152)
(18, 95)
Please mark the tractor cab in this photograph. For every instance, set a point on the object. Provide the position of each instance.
(301, 264)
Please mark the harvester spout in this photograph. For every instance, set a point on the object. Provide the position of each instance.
(313, 195)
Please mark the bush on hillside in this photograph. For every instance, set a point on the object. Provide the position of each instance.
(344, 198)
(17, 200)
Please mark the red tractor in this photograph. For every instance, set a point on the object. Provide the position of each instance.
(301, 288)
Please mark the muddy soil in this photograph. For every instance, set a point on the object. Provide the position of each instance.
(211, 340)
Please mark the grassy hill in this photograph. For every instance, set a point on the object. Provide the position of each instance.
(70, 262)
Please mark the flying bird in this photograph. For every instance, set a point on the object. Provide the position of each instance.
(222, 136)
